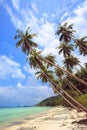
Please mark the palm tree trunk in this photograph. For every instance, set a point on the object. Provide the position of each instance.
(66, 100)
(75, 88)
(76, 102)
(70, 74)
(53, 83)
(69, 97)
(57, 90)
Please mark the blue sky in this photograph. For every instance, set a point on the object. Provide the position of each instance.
(18, 85)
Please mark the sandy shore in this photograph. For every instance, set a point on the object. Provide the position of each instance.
(58, 118)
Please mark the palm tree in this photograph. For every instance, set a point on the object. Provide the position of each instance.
(66, 49)
(59, 90)
(37, 60)
(68, 83)
(59, 72)
(27, 45)
(67, 72)
(82, 45)
(66, 32)
(33, 58)
(42, 75)
(70, 62)
(25, 40)
(65, 81)
(82, 73)
(46, 75)
(51, 58)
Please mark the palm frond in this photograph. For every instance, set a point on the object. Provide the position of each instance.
(19, 43)
(27, 31)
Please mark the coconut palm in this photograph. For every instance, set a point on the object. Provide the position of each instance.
(42, 74)
(82, 73)
(51, 58)
(27, 45)
(65, 82)
(66, 49)
(69, 84)
(62, 91)
(25, 40)
(70, 62)
(46, 75)
(66, 72)
(59, 72)
(82, 45)
(48, 78)
(33, 58)
(65, 32)
(37, 60)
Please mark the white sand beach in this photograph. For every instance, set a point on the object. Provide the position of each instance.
(57, 118)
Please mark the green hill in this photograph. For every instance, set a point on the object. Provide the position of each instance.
(52, 101)
(55, 101)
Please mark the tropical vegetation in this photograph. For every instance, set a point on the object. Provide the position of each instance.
(67, 81)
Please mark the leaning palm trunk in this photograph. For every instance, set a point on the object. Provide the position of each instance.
(58, 89)
(53, 83)
(65, 99)
(70, 74)
(29, 50)
(76, 102)
(69, 97)
(75, 88)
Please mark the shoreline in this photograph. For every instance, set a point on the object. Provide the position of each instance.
(57, 118)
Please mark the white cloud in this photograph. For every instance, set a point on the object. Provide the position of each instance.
(46, 30)
(14, 18)
(46, 34)
(9, 61)
(19, 85)
(9, 68)
(80, 19)
(34, 7)
(16, 4)
(24, 95)
(80, 25)
(63, 17)
(83, 59)
(30, 70)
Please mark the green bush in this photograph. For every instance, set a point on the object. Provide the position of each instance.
(83, 99)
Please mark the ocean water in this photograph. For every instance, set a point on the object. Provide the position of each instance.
(9, 115)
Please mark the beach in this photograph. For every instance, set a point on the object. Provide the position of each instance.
(57, 118)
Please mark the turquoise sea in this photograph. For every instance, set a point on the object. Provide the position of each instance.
(12, 115)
